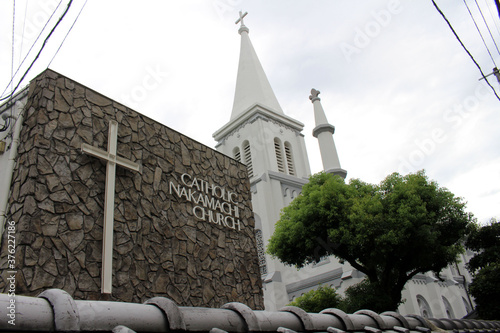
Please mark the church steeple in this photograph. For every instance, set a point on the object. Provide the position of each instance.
(271, 144)
(324, 133)
(252, 85)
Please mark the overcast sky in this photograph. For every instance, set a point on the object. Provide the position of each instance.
(401, 92)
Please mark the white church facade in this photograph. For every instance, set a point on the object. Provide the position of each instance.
(271, 144)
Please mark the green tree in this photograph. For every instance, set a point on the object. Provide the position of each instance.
(391, 231)
(316, 300)
(485, 268)
(365, 295)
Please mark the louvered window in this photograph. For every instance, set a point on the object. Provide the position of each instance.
(279, 155)
(237, 154)
(248, 158)
(289, 159)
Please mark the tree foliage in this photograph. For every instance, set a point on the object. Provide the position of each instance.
(366, 295)
(391, 231)
(318, 299)
(485, 267)
(486, 241)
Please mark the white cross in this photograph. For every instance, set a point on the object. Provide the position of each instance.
(109, 199)
(241, 19)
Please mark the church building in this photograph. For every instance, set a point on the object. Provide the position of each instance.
(107, 204)
(271, 144)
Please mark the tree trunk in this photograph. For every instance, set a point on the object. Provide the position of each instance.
(390, 289)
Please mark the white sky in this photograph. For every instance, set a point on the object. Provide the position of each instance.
(400, 90)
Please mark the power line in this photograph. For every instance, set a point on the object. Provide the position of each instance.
(13, 38)
(480, 34)
(7, 121)
(43, 45)
(67, 33)
(22, 34)
(40, 51)
(458, 38)
(492, 18)
(487, 27)
(32, 45)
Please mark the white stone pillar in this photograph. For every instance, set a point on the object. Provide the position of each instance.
(324, 133)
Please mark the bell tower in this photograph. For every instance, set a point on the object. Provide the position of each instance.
(272, 146)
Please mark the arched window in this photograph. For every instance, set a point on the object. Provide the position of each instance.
(248, 158)
(279, 155)
(237, 154)
(289, 159)
(468, 308)
(425, 309)
(448, 308)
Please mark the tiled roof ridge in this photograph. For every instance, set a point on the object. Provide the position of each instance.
(56, 310)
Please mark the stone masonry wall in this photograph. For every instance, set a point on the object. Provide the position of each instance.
(166, 241)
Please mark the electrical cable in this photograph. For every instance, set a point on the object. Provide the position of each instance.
(64, 39)
(480, 34)
(13, 38)
(492, 18)
(487, 27)
(22, 34)
(32, 45)
(43, 45)
(7, 121)
(470, 55)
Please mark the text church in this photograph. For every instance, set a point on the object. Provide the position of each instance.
(108, 204)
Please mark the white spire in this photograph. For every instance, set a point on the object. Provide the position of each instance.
(252, 86)
(324, 133)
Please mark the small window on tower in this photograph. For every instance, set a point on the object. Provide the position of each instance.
(248, 158)
(279, 155)
(289, 159)
(237, 154)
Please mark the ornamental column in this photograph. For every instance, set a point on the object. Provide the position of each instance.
(324, 133)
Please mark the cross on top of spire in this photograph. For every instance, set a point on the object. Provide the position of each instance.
(240, 19)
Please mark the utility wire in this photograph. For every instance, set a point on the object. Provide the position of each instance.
(487, 27)
(43, 45)
(67, 33)
(13, 39)
(470, 55)
(22, 34)
(32, 45)
(480, 34)
(7, 121)
(492, 18)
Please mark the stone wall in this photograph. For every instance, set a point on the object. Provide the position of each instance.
(163, 245)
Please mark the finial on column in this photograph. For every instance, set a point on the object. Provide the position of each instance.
(314, 95)
(243, 27)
